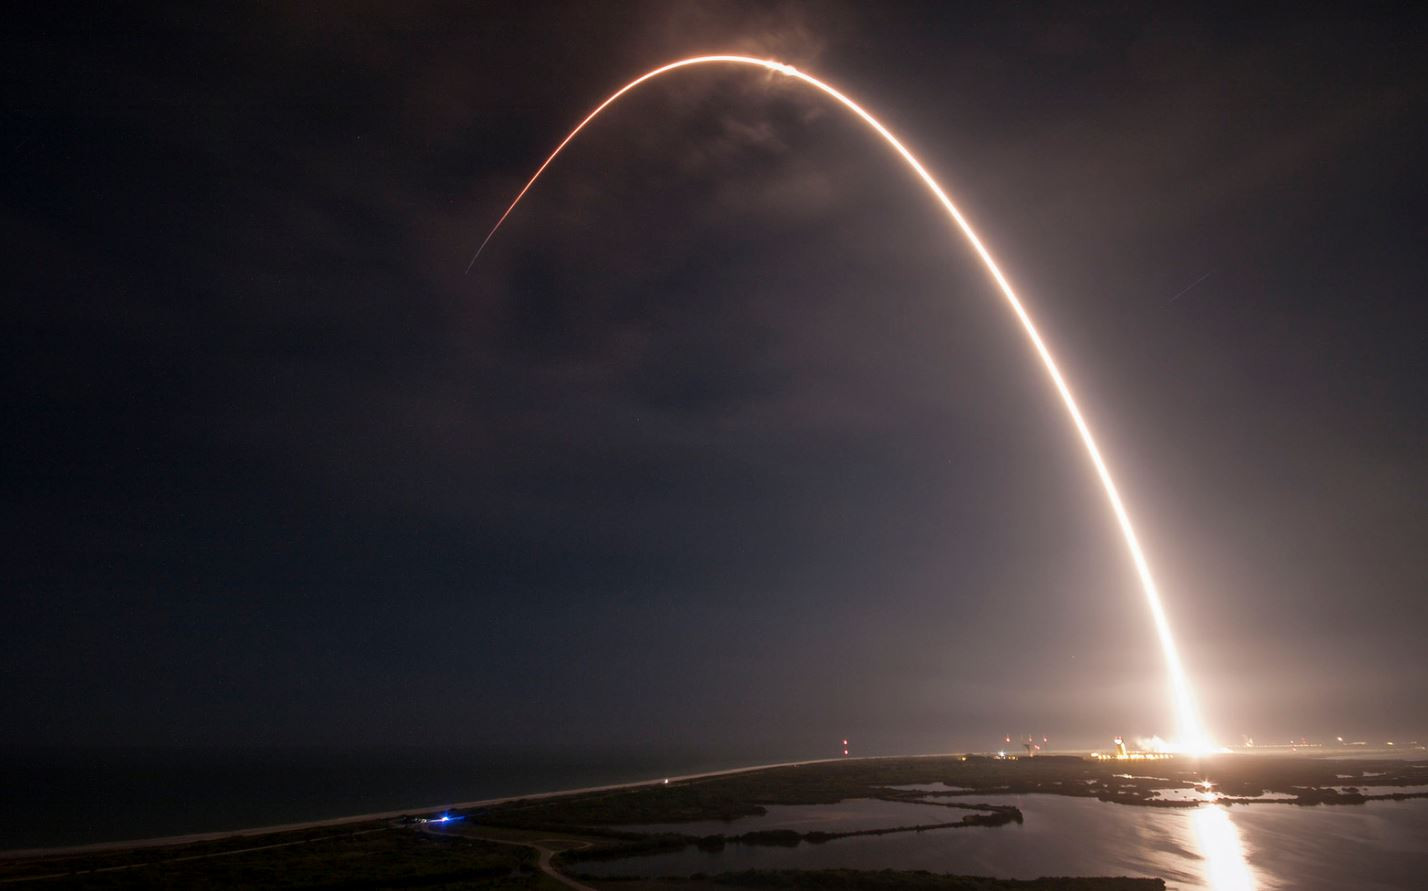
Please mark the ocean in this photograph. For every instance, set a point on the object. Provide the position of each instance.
(55, 797)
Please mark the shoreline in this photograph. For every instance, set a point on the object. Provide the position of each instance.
(135, 844)
(219, 834)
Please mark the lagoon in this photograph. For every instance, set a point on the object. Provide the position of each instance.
(1268, 846)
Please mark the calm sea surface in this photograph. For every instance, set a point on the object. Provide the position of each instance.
(1267, 846)
(64, 797)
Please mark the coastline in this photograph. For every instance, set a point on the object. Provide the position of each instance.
(605, 830)
(148, 842)
(164, 841)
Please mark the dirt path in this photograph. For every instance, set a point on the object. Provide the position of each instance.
(545, 855)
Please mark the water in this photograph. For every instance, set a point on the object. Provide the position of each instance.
(1270, 846)
(77, 796)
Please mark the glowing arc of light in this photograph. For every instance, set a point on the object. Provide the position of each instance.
(1192, 734)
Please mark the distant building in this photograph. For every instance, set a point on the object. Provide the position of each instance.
(1123, 753)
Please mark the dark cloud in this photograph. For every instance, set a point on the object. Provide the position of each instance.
(725, 437)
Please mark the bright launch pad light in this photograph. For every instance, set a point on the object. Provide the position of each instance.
(1192, 735)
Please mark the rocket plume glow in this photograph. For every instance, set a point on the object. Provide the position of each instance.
(1193, 737)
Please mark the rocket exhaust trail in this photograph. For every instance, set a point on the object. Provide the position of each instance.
(1193, 737)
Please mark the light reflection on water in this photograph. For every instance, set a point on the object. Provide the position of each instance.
(1262, 846)
(932, 787)
(1226, 868)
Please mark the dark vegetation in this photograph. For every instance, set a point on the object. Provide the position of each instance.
(639, 845)
(388, 858)
(727, 798)
(743, 795)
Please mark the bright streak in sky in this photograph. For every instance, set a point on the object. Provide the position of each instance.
(1192, 737)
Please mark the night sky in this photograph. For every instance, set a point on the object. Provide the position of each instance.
(727, 440)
